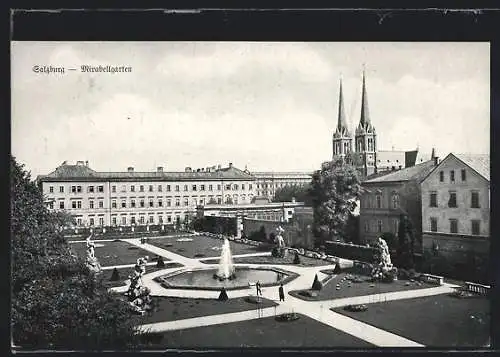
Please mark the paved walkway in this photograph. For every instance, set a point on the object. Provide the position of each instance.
(318, 310)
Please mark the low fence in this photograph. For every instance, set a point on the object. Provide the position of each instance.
(477, 288)
(432, 279)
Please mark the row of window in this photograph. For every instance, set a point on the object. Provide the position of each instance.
(77, 204)
(141, 188)
(475, 225)
(132, 220)
(378, 201)
(380, 226)
(463, 175)
(452, 200)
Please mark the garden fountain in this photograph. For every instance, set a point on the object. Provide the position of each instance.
(226, 267)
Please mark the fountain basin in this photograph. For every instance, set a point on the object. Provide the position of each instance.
(203, 279)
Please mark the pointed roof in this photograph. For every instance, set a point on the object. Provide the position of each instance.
(478, 162)
(365, 114)
(342, 123)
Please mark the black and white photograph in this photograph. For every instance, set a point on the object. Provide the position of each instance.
(190, 195)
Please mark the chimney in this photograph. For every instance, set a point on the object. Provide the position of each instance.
(64, 163)
(86, 163)
(230, 164)
(436, 160)
(202, 169)
(159, 169)
(187, 169)
(130, 169)
(293, 199)
(218, 167)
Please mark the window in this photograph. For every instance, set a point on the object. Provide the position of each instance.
(242, 186)
(124, 188)
(51, 189)
(169, 203)
(73, 204)
(250, 186)
(141, 220)
(441, 176)
(367, 226)
(132, 188)
(464, 175)
(186, 202)
(235, 187)
(474, 199)
(91, 221)
(141, 203)
(132, 220)
(452, 176)
(159, 188)
(101, 221)
(113, 204)
(202, 187)
(132, 203)
(194, 187)
(124, 204)
(151, 219)
(177, 188)
(113, 188)
(169, 219)
(91, 204)
(168, 188)
(228, 187)
(61, 189)
(160, 203)
(434, 224)
(160, 219)
(395, 201)
(151, 204)
(210, 187)
(453, 226)
(433, 201)
(150, 188)
(218, 187)
(61, 205)
(379, 226)
(475, 227)
(185, 187)
(379, 201)
(452, 202)
(78, 221)
(194, 201)
(101, 204)
(177, 202)
(219, 200)
(51, 205)
(141, 188)
(124, 220)
(79, 189)
(78, 204)
(113, 221)
(73, 189)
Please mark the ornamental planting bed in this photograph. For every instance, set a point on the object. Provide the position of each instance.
(173, 308)
(434, 321)
(262, 332)
(105, 275)
(200, 246)
(365, 287)
(114, 253)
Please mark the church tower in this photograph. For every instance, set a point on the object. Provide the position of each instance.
(366, 138)
(342, 139)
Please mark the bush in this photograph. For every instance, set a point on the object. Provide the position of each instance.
(317, 285)
(337, 269)
(115, 276)
(296, 259)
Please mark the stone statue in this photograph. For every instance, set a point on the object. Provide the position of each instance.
(279, 250)
(91, 261)
(383, 269)
(139, 295)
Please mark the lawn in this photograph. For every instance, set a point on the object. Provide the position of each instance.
(173, 308)
(265, 332)
(305, 261)
(434, 321)
(200, 246)
(123, 273)
(330, 291)
(113, 253)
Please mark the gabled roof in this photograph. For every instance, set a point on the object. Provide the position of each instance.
(83, 172)
(414, 173)
(478, 162)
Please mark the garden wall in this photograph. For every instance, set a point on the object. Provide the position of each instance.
(350, 251)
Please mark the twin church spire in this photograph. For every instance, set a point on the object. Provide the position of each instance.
(365, 136)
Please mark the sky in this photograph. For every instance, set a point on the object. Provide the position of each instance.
(269, 106)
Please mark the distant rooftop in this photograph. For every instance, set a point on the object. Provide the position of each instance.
(417, 172)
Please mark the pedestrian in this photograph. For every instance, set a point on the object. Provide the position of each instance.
(259, 290)
(282, 292)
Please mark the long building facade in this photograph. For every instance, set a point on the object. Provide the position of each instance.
(149, 198)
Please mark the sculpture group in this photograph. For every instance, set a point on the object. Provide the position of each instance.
(138, 295)
(279, 250)
(383, 269)
(91, 261)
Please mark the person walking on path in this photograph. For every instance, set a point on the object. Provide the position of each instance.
(258, 287)
(281, 292)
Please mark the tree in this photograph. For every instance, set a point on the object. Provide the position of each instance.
(334, 192)
(56, 301)
(301, 193)
(406, 243)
